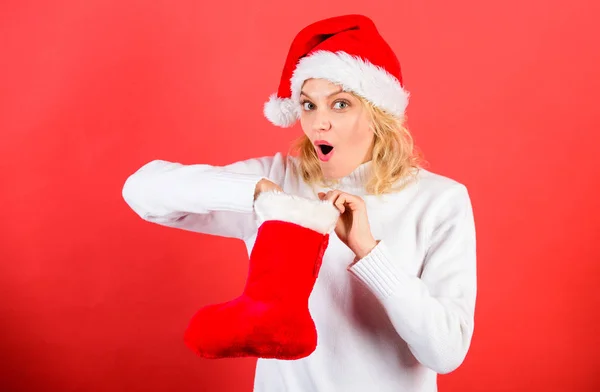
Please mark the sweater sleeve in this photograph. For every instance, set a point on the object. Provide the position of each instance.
(207, 199)
(433, 313)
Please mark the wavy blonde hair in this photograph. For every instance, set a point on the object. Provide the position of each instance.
(395, 155)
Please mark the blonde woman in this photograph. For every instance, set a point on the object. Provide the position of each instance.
(394, 302)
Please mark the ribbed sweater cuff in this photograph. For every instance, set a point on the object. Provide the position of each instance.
(379, 272)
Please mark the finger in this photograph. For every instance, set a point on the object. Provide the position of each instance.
(355, 203)
(325, 196)
(332, 195)
(340, 203)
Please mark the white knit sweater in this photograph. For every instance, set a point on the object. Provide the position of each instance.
(395, 319)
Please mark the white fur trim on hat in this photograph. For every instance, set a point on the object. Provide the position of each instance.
(318, 215)
(353, 73)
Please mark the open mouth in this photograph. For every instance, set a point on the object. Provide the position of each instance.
(324, 150)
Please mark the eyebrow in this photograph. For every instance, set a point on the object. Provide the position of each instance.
(341, 90)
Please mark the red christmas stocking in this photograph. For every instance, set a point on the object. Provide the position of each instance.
(271, 319)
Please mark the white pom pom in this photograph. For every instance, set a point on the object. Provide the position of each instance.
(282, 112)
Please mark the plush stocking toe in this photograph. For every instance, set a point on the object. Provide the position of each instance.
(246, 328)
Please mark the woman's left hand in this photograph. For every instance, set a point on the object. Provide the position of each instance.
(352, 227)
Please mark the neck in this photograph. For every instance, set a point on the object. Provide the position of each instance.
(355, 181)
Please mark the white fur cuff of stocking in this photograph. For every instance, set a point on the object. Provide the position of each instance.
(318, 215)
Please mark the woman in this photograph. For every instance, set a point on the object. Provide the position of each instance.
(394, 302)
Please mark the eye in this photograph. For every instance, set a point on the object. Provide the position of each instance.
(307, 105)
(341, 105)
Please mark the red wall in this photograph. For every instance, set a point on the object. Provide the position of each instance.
(505, 99)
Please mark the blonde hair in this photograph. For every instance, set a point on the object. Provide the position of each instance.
(394, 154)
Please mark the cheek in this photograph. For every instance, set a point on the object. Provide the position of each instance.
(358, 129)
(305, 124)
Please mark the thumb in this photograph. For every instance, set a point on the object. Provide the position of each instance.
(321, 195)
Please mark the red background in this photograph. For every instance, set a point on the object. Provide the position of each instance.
(505, 100)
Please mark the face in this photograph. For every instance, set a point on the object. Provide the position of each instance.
(338, 126)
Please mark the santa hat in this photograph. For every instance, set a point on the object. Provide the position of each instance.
(348, 51)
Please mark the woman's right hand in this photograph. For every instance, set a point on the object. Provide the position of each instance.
(265, 185)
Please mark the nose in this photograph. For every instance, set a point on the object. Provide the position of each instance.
(322, 122)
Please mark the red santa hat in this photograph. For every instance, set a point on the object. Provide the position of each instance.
(348, 51)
